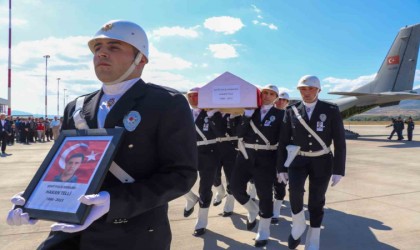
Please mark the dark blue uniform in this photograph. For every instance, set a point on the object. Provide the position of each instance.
(209, 156)
(261, 164)
(160, 154)
(327, 123)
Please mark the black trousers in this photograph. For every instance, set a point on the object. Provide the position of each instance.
(208, 161)
(260, 166)
(279, 190)
(3, 140)
(410, 134)
(319, 171)
(228, 157)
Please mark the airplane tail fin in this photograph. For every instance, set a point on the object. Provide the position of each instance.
(398, 68)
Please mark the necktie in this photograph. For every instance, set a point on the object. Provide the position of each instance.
(308, 110)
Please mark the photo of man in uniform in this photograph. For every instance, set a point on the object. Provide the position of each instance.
(70, 168)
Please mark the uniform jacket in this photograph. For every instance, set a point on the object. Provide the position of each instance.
(211, 128)
(160, 154)
(7, 127)
(326, 122)
(270, 127)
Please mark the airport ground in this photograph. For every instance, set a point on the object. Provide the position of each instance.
(376, 206)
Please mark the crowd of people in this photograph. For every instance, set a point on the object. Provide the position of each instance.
(398, 126)
(28, 130)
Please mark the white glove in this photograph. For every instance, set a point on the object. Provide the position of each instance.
(16, 217)
(283, 177)
(249, 112)
(210, 113)
(335, 179)
(100, 202)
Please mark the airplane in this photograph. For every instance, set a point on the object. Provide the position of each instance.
(393, 82)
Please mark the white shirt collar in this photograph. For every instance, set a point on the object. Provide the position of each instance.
(119, 88)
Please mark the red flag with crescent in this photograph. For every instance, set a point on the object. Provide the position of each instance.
(393, 60)
(92, 151)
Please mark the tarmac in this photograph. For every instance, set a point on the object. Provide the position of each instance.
(375, 206)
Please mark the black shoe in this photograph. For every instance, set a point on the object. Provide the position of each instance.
(217, 203)
(274, 220)
(292, 243)
(199, 232)
(188, 212)
(260, 243)
(250, 226)
(226, 214)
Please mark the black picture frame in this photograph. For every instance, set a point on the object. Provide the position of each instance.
(50, 197)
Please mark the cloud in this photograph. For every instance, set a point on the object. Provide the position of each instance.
(165, 61)
(340, 84)
(271, 26)
(175, 31)
(223, 51)
(417, 75)
(16, 22)
(224, 24)
(255, 8)
(71, 60)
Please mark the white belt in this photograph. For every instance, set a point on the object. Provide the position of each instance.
(208, 142)
(314, 154)
(261, 147)
(232, 138)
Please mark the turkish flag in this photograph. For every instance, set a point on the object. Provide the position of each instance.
(92, 151)
(393, 60)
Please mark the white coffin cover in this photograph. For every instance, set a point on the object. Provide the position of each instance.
(227, 91)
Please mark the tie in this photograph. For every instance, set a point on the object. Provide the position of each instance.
(308, 110)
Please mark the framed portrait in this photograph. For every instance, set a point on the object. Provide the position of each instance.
(76, 165)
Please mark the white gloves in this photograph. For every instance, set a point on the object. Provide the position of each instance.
(283, 177)
(249, 112)
(100, 202)
(211, 112)
(335, 179)
(16, 217)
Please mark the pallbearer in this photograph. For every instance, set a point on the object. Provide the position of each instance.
(259, 130)
(310, 126)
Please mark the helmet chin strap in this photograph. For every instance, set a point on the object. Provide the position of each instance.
(129, 70)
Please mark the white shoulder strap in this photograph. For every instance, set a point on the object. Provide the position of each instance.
(302, 121)
(200, 133)
(258, 132)
(80, 123)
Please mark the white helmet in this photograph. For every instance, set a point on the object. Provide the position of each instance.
(284, 95)
(309, 81)
(125, 31)
(271, 87)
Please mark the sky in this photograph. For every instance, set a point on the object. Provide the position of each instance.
(192, 42)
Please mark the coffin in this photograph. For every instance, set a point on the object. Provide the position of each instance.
(228, 93)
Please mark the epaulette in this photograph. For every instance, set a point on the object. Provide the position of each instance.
(331, 104)
(164, 88)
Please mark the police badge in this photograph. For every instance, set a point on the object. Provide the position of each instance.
(132, 120)
(323, 117)
(272, 118)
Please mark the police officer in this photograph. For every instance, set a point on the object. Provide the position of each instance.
(410, 128)
(134, 214)
(314, 160)
(279, 187)
(5, 132)
(228, 144)
(259, 130)
(208, 127)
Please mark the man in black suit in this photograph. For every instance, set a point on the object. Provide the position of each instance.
(312, 125)
(259, 130)
(157, 157)
(5, 132)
